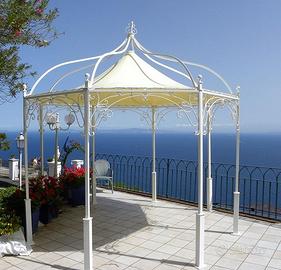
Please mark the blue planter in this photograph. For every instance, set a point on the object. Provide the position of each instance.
(76, 196)
(35, 220)
(45, 215)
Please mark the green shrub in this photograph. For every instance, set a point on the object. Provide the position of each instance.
(6, 193)
(9, 223)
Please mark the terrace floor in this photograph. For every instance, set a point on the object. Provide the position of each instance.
(132, 233)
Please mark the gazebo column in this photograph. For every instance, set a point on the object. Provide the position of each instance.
(87, 220)
(41, 130)
(94, 195)
(154, 184)
(236, 194)
(200, 219)
(56, 146)
(28, 220)
(209, 178)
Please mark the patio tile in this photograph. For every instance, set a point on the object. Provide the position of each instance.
(267, 244)
(145, 264)
(132, 233)
(248, 266)
(126, 259)
(256, 259)
(64, 262)
(4, 265)
(228, 263)
(112, 265)
(76, 256)
(275, 263)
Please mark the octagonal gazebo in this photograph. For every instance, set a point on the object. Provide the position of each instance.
(133, 83)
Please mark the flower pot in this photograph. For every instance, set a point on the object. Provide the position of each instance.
(45, 215)
(35, 219)
(54, 211)
(76, 195)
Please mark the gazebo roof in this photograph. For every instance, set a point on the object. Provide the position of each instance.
(132, 72)
(130, 82)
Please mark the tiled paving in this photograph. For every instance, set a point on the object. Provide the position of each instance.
(132, 233)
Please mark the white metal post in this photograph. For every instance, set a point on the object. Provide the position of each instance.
(209, 178)
(154, 180)
(41, 139)
(94, 195)
(87, 220)
(28, 220)
(236, 193)
(20, 169)
(199, 256)
(56, 146)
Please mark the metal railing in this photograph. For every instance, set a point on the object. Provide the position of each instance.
(260, 187)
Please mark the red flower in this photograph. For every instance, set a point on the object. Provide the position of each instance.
(39, 11)
(18, 33)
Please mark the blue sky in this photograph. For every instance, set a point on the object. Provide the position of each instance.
(239, 39)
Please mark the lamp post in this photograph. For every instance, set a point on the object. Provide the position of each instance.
(53, 122)
(20, 146)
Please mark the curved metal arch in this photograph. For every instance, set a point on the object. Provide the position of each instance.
(255, 170)
(267, 172)
(146, 160)
(136, 43)
(69, 63)
(214, 103)
(143, 50)
(67, 75)
(163, 57)
(221, 167)
(127, 42)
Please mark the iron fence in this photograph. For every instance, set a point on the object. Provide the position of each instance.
(260, 187)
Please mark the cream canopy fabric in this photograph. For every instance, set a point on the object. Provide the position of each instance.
(131, 72)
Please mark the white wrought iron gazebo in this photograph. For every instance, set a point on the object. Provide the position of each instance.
(135, 84)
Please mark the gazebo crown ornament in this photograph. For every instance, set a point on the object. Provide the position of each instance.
(132, 83)
(131, 29)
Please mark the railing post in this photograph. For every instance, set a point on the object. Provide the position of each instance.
(167, 175)
(236, 193)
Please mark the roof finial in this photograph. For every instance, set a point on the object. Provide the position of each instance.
(131, 29)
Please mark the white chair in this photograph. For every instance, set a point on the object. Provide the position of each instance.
(103, 171)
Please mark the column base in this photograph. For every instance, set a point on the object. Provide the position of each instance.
(200, 237)
(236, 206)
(88, 243)
(210, 194)
(28, 220)
(154, 187)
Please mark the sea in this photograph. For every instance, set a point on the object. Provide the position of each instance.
(263, 150)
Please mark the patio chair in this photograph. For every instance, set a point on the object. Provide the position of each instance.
(103, 171)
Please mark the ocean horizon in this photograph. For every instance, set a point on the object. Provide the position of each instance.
(256, 149)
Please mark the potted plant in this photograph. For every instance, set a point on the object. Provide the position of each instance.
(50, 189)
(73, 181)
(15, 204)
